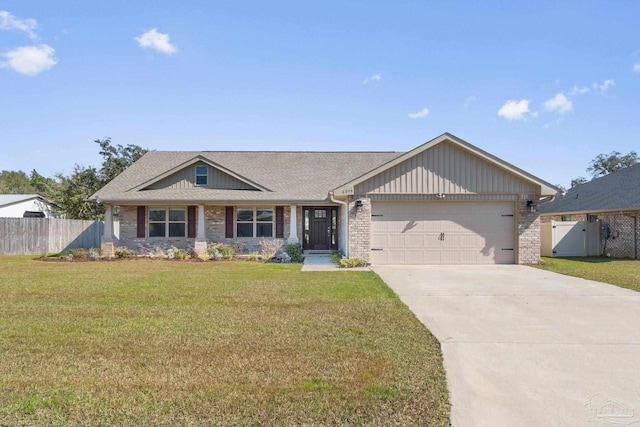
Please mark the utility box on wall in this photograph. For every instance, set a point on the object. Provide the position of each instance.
(570, 238)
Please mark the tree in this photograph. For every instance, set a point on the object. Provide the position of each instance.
(73, 192)
(42, 185)
(117, 158)
(15, 182)
(607, 163)
(579, 180)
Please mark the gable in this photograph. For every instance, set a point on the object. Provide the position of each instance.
(186, 178)
(447, 168)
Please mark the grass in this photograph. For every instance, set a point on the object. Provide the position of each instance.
(624, 273)
(235, 343)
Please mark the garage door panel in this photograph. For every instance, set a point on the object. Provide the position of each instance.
(443, 233)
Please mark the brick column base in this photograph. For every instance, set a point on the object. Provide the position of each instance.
(108, 248)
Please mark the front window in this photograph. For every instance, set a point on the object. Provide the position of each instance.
(169, 222)
(202, 175)
(254, 222)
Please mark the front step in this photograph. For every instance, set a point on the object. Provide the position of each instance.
(317, 252)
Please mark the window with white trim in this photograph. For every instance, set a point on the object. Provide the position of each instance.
(202, 175)
(254, 222)
(167, 222)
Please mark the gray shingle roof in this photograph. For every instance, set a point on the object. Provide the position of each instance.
(616, 191)
(291, 176)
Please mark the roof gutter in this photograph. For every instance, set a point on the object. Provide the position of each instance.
(346, 215)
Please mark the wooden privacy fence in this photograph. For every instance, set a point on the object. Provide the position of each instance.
(35, 236)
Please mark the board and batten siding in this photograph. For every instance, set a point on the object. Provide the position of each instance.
(445, 168)
(186, 178)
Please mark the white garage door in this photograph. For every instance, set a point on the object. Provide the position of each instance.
(442, 233)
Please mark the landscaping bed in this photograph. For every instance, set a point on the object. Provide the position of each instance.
(230, 343)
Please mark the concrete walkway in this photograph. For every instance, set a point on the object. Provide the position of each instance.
(525, 347)
(322, 262)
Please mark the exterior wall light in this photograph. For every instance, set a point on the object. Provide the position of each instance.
(440, 196)
(358, 205)
(532, 206)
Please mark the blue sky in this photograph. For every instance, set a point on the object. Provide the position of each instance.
(546, 86)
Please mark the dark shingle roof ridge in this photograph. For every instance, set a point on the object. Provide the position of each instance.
(619, 189)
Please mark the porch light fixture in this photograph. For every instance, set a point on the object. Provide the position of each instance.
(440, 196)
(358, 205)
(532, 206)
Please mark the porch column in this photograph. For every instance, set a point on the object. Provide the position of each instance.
(201, 233)
(107, 245)
(201, 240)
(293, 225)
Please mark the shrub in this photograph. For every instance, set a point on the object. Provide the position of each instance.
(217, 251)
(158, 252)
(253, 256)
(294, 250)
(270, 247)
(352, 262)
(336, 257)
(178, 253)
(193, 254)
(95, 253)
(79, 253)
(124, 252)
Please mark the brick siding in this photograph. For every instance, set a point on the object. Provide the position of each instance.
(360, 229)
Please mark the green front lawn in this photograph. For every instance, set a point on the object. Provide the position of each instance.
(623, 273)
(149, 342)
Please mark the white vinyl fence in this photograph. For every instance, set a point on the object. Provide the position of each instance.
(570, 238)
(36, 236)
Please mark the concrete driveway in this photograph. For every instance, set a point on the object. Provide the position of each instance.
(525, 347)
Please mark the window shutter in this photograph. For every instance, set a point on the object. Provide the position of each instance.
(279, 222)
(228, 222)
(191, 221)
(142, 221)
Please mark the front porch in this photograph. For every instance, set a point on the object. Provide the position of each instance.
(149, 226)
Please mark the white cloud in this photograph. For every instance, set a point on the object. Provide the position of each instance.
(420, 114)
(559, 103)
(152, 39)
(577, 90)
(373, 78)
(515, 110)
(10, 22)
(636, 67)
(30, 60)
(604, 86)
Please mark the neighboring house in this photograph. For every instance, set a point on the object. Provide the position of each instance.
(614, 201)
(26, 206)
(444, 202)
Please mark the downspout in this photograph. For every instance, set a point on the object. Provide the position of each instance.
(346, 216)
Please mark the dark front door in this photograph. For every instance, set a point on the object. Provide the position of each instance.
(320, 227)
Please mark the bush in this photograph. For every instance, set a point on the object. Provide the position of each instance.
(158, 252)
(294, 250)
(124, 252)
(253, 256)
(352, 262)
(79, 253)
(336, 257)
(177, 253)
(217, 251)
(270, 247)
